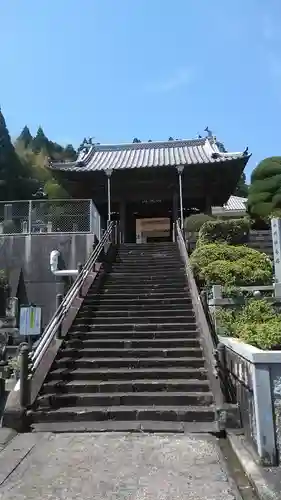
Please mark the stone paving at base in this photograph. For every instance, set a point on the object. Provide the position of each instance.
(115, 466)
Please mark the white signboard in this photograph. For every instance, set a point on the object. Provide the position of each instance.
(276, 243)
(30, 320)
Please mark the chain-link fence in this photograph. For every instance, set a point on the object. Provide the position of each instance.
(49, 216)
(14, 217)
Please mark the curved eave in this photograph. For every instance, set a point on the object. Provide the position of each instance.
(100, 161)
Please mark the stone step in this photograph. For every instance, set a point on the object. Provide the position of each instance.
(133, 330)
(139, 385)
(128, 426)
(99, 321)
(133, 281)
(112, 374)
(113, 343)
(146, 277)
(142, 263)
(137, 288)
(141, 314)
(153, 363)
(134, 295)
(136, 305)
(125, 399)
(148, 352)
(127, 336)
(125, 413)
(148, 269)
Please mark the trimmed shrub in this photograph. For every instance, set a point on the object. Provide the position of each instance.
(233, 231)
(223, 264)
(194, 222)
(257, 324)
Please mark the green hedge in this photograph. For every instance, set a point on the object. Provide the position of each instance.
(194, 222)
(223, 264)
(233, 231)
(257, 324)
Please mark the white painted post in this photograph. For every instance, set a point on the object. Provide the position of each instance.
(277, 290)
(276, 242)
(108, 172)
(265, 433)
(180, 169)
(30, 216)
(217, 292)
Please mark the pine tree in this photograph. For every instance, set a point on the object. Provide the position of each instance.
(40, 141)
(9, 164)
(25, 137)
(265, 189)
(69, 153)
(242, 187)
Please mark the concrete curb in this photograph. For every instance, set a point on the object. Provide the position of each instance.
(266, 481)
(6, 435)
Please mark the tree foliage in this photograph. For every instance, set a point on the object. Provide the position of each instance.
(223, 264)
(23, 166)
(242, 187)
(264, 197)
(15, 179)
(233, 231)
(258, 323)
(25, 138)
(40, 141)
(194, 222)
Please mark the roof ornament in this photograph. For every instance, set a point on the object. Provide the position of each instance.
(246, 151)
(209, 132)
(199, 136)
(88, 143)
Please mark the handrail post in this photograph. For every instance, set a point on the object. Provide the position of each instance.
(24, 376)
(79, 267)
(59, 299)
(222, 372)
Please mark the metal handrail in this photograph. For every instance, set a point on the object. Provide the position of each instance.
(206, 334)
(60, 313)
(214, 352)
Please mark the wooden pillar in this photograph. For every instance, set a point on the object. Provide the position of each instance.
(175, 213)
(208, 205)
(122, 213)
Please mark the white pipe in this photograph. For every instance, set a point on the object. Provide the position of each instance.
(54, 264)
(66, 272)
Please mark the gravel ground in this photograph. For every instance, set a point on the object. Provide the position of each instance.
(113, 466)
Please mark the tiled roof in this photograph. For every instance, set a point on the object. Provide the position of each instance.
(235, 203)
(148, 154)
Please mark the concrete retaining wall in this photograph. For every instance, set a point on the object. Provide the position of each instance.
(256, 376)
(31, 254)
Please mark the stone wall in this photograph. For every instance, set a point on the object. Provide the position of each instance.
(31, 255)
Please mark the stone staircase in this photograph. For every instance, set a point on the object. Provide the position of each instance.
(132, 359)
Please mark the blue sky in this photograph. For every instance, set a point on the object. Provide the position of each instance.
(116, 69)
